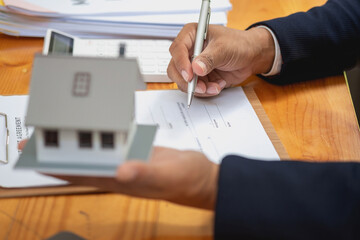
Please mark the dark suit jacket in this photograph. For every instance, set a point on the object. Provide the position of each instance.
(321, 42)
(292, 199)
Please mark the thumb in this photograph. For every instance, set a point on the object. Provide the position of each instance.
(22, 144)
(207, 61)
(131, 171)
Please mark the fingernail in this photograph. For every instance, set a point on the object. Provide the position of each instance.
(199, 90)
(212, 91)
(222, 83)
(185, 75)
(201, 65)
(126, 174)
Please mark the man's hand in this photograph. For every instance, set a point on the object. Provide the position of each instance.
(230, 56)
(183, 177)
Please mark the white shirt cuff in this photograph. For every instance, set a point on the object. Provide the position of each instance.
(276, 67)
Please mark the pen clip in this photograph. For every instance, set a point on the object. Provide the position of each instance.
(207, 23)
(6, 141)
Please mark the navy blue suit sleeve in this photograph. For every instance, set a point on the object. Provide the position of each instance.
(287, 200)
(321, 42)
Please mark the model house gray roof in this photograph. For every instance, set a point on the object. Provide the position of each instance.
(83, 93)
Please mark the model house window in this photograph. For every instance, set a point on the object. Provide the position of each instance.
(81, 84)
(51, 138)
(85, 140)
(107, 140)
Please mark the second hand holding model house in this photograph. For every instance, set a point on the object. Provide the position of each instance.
(83, 113)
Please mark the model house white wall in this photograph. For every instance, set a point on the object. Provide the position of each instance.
(84, 94)
(69, 150)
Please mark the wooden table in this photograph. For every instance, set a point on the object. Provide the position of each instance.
(314, 120)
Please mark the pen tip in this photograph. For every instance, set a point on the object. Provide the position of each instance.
(188, 106)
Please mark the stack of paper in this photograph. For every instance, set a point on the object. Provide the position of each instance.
(105, 19)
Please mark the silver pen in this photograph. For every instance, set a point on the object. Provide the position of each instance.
(201, 32)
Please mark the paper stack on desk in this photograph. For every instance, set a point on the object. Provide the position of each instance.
(105, 19)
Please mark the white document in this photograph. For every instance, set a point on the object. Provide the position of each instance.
(180, 19)
(162, 25)
(104, 18)
(114, 7)
(218, 126)
(15, 107)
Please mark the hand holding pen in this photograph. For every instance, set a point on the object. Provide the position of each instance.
(228, 58)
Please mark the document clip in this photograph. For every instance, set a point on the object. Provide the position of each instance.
(7, 140)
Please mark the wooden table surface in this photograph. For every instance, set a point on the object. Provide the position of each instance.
(314, 120)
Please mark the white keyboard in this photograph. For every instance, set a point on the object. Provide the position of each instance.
(153, 55)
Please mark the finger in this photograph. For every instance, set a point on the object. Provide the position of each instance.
(22, 144)
(208, 60)
(105, 183)
(182, 62)
(200, 88)
(141, 179)
(214, 76)
(134, 170)
(212, 89)
(210, 85)
(175, 76)
(180, 50)
(158, 153)
(153, 176)
(129, 171)
(108, 184)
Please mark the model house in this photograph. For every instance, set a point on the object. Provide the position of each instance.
(83, 108)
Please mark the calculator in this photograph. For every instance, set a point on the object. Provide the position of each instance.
(153, 55)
